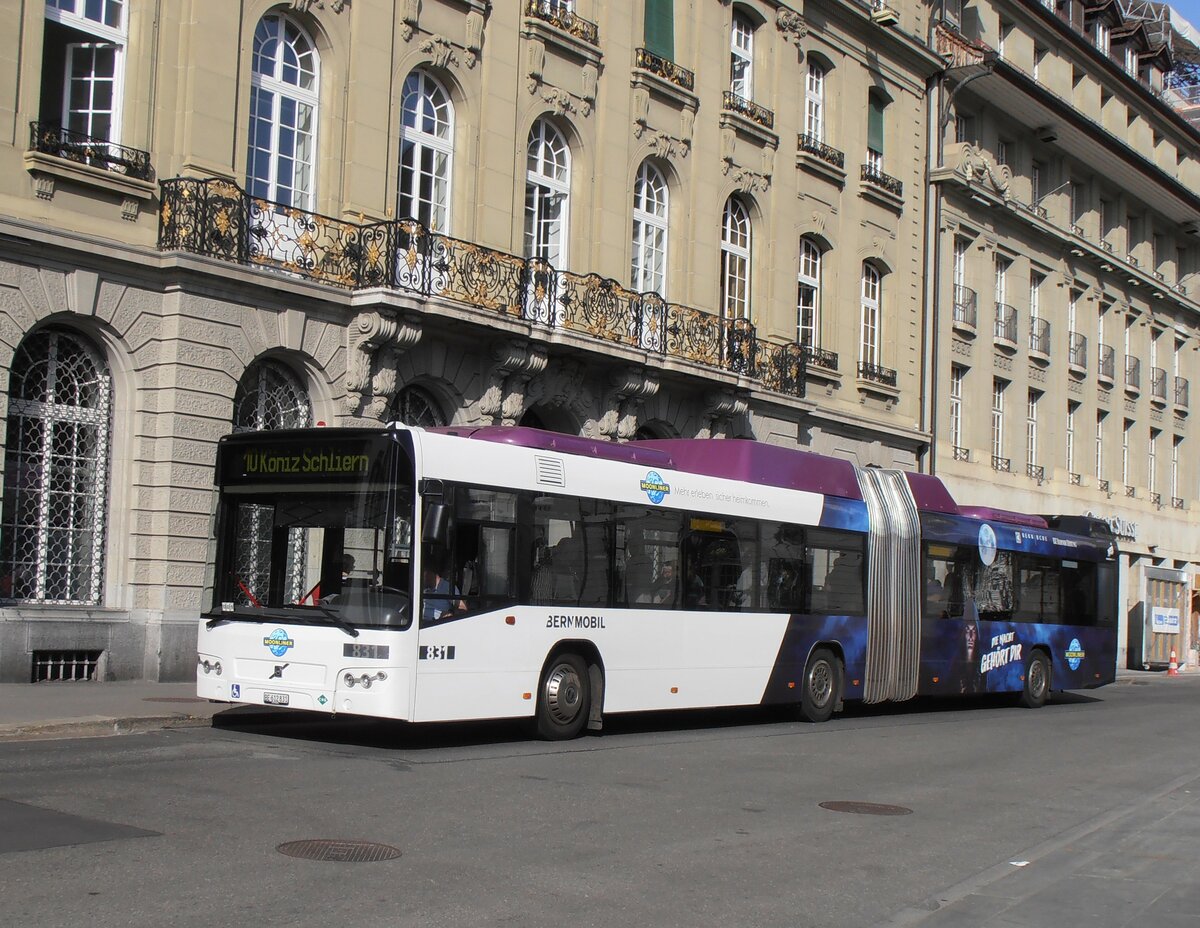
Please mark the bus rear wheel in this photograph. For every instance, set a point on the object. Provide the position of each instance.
(822, 687)
(564, 698)
(1037, 682)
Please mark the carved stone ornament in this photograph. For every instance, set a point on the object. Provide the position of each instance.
(641, 111)
(748, 181)
(792, 25)
(474, 37)
(375, 340)
(721, 408)
(516, 361)
(590, 79)
(440, 51)
(304, 6)
(559, 101)
(411, 11)
(978, 168)
(566, 386)
(629, 388)
(535, 64)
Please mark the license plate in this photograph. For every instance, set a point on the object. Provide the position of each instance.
(275, 699)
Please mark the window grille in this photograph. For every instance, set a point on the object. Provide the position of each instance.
(63, 666)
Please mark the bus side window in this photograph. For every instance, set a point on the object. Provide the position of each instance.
(838, 575)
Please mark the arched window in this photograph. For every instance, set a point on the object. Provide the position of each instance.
(808, 294)
(649, 271)
(872, 300)
(814, 102)
(735, 260)
(56, 472)
(417, 406)
(283, 114)
(741, 56)
(547, 194)
(426, 152)
(270, 396)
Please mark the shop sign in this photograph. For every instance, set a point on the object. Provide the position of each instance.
(1122, 528)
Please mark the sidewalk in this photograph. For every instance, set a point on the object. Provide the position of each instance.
(37, 711)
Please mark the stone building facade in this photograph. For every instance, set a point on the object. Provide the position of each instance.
(702, 219)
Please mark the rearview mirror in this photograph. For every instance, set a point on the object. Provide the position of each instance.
(435, 527)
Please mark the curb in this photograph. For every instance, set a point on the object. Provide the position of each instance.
(99, 728)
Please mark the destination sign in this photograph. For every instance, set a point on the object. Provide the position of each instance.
(314, 458)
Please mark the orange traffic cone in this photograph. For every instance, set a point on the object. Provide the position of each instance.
(1173, 666)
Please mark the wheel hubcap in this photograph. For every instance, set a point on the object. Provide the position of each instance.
(564, 694)
(1037, 678)
(820, 683)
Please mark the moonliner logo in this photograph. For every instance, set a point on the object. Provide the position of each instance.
(655, 487)
(1075, 654)
(278, 642)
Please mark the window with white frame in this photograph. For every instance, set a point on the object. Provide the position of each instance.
(871, 303)
(426, 152)
(1035, 184)
(1101, 415)
(284, 87)
(648, 273)
(1072, 309)
(1131, 60)
(1152, 461)
(741, 56)
(957, 373)
(808, 294)
(998, 386)
(1072, 409)
(1103, 36)
(964, 128)
(1002, 265)
(547, 194)
(83, 62)
(960, 262)
(875, 108)
(735, 260)
(1126, 431)
(1031, 427)
(814, 102)
(1002, 149)
(52, 527)
(1035, 294)
(1176, 443)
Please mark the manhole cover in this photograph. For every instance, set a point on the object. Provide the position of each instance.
(173, 699)
(349, 852)
(865, 808)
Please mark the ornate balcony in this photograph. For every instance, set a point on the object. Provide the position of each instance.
(819, 149)
(748, 108)
(1005, 331)
(1077, 352)
(1133, 374)
(1001, 464)
(1107, 246)
(1076, 479)
(556, 14)
(1158, 386)
(1130, 492)
(962, 454)
(965, 311)
(1181, 394)
(820, 358)
(1106, 369)
(1035, 472)
(1039, 211)
(1077, 230)
(49, 139)
(1039, 337)
(877, 373)
(1156, 500)
(219, 220)
(1104, 486)
(872, 175)
(1131, 260)
(1176, 502)
(668, 70)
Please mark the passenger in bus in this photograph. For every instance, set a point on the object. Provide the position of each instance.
(440, 595)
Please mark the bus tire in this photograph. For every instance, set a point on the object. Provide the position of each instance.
(1037, 681)
(564, 698)
(822, 686)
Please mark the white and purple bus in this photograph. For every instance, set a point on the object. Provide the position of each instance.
(458, 573)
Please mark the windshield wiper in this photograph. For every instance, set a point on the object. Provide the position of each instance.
(339, 621)
(219, 620)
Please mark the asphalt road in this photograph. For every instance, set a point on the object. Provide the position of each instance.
(663, 820)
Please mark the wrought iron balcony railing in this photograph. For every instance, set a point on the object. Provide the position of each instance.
(1156, 499)
(877, 373)
(872, 175)
(1130, 492)
(219, 220)
(1039, 336)
(1181, 392)
(1077, 351)
(1158, 385)
(1104, 486)
(95, 152)
(1001, 464)
(557, 14)
(1176, 502)
(827, 153)
(668, 70)
(1076, 479)
(1107, 364)
(1006, 324)
(962, 454)
(1035, 472)
(965, 302)
(1039, 211)
(1077, 229)
(748, 108)
(820, 358)
(1133, 372)
(1130, 259)
(1106, 245)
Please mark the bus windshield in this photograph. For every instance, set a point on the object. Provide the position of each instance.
(313, 542)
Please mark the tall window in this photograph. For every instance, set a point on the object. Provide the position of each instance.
(1152, 461)
(1126, 430)
(547, 194)
(1103, 36)
(1078, 203)
(814, 102)
(1035, 184)
(83, 54)
(1176, 442)
(960, 262)
(998, 386)
(956, 387)
(1072, 309)
(808, 294)
(281, 154)
(868, 352)
(735, 260)
(1072, 408)
(269, 396)
(426, 152)
(1031, 427)
(52, 528)
(741, 56)
(1002, 266)
(1035, 294)
(1101, 415)
(875, 132)
(649, 269)
(659, 24)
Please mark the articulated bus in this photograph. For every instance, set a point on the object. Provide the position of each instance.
(458, 573)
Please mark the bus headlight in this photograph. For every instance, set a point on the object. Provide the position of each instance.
(365, 680)
(210, 666)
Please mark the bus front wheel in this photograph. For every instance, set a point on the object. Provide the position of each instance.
(822, 689)
(1037, 682)
(564, 698)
